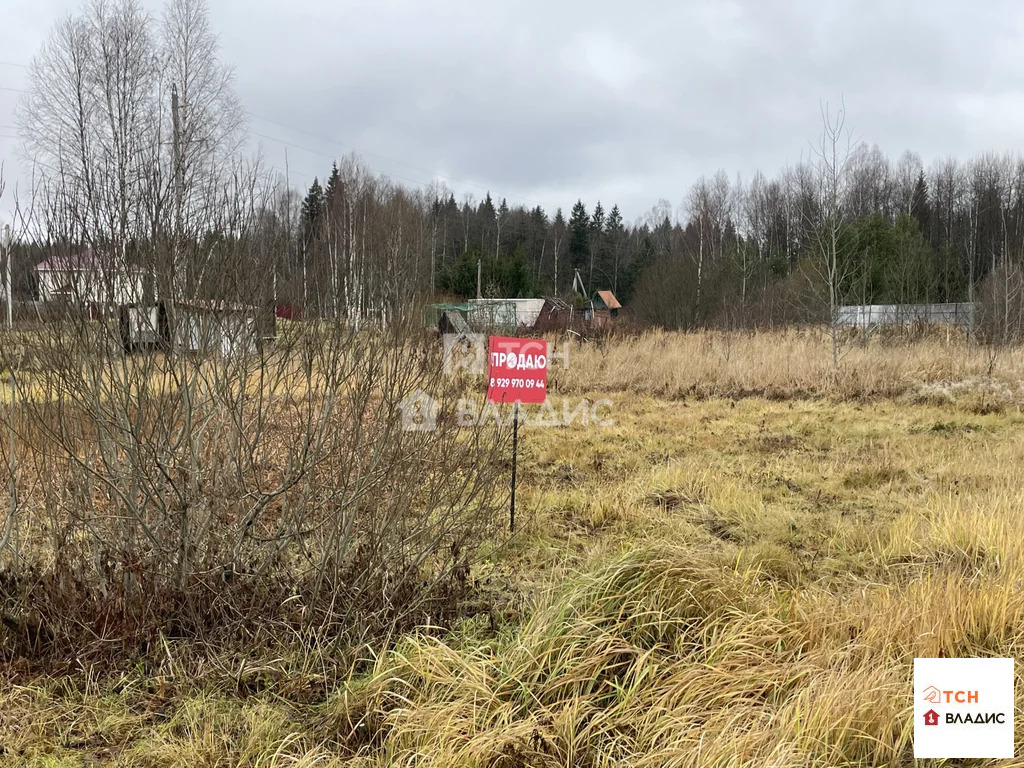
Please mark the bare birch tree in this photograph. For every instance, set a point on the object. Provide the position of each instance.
(829, 227)
(709, 207)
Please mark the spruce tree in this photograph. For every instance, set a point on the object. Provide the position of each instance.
(333, 182)
(485, 215)
(920, 206)
(312, 210)
(615, 237)
(596, 243)
(500, 218)
(558, 241)
(579, 236)
(615, 220)
(597, 222)
(486, 210)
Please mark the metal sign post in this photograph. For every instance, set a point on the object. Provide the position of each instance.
(515, 454)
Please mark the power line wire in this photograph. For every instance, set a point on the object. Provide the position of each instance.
(433, 175)
(516, 197)
(333, 157)
(291, 172)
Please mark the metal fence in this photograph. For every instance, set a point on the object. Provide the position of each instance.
(961, 314)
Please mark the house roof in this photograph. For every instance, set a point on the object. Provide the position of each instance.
(517, 301)
(557, 304)
(79, 261)
(609, 299)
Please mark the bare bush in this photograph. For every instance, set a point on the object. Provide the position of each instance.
(178, 493)
(183, 464)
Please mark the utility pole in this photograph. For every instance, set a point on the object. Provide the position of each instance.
(178, 185)
(288, 263)
(515, 454)
(5, 243)
(578, 286)
(478, 294)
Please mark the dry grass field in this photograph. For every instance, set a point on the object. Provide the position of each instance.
(739, 570)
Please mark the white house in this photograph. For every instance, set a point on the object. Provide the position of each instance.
(89, 278)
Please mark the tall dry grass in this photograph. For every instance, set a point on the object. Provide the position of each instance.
(709, 581)
(787, 364)
(661, 658)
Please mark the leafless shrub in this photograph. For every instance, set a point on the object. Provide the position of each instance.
(183, 465)
(177, 493)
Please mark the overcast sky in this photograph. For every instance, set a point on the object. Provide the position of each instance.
(623, 102)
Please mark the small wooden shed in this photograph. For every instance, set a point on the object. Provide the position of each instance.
(605, 300)
(601, 310)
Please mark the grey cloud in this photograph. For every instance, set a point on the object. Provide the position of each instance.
(544, 102)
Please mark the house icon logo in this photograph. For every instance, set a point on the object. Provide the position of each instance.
(931, 717)
(932, 695)
(419, 412)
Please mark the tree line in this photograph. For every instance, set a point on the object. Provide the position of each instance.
(439, 240)
(733, 252)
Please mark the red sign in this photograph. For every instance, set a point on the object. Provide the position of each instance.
(517, 370)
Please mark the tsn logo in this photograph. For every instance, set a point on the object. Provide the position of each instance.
(935, 696)
(970, 715)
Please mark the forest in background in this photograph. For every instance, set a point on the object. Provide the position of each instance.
(732, 253)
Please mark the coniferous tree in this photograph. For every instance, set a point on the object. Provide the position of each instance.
(579, 236)
(920, 206)
(486, 208)
(333, 181)
(535, 242)
(500, 218)
(310, 218)
(501, 277)
(558, 229)
(596, 243)
(597, 222)
(312, 210)
(614, 242)
(485, 214)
